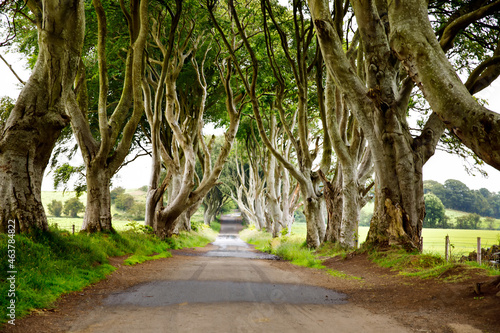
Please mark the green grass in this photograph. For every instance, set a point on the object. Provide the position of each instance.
(52, 263)
(215, 225)
(290, 248)
(367, 212)
(453, 214)
(463, 242)
(48, 196)
(427, 265)
(293, 249)
(66, 223)
(191, 239)
(140, 258)
(412, 264)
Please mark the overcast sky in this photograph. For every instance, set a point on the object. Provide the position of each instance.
(440, 167)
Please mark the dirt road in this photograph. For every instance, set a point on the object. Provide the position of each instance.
(230, 288)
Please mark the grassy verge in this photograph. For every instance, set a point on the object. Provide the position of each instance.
(294, 249)
(426, 265)
(290, 248)
(215, 225)
(54, 263)
(192, 239)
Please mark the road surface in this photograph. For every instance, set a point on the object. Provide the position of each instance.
(230, 288)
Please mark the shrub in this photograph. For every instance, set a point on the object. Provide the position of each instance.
(124, 202)
(115, 193)
(197, 225)
(136, 227)
(215, 226)
(137, 212)
(73, 206)
(490, 223)
(55, 208)
(469, 221)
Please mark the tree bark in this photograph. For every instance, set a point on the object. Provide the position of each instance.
(98, 210)
(36, 121)
(209, 213)
(315, 220)
(289, 200)
(272, 184)
(333, 200)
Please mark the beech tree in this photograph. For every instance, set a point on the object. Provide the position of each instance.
(30, 132)
(260, 185)
(282, 199)
(380, 105)
(105, 155)
(212, 204)
(183, 112)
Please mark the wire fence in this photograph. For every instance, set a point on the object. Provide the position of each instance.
(75, 225)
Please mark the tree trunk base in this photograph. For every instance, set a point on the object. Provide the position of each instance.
(387, 230)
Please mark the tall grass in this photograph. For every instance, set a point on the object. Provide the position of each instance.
(191, 239)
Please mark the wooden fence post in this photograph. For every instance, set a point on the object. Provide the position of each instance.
(73, 229)
(447, 248)
(479, 250)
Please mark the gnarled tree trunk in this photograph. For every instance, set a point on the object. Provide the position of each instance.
(39, 115)
(379, 106)
(333, 200)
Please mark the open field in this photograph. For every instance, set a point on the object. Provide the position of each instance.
(462, 241)
(66, 223)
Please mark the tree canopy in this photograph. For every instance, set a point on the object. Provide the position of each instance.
(314, 97)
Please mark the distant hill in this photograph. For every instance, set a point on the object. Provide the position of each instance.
(485, 222)
(457, 196)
